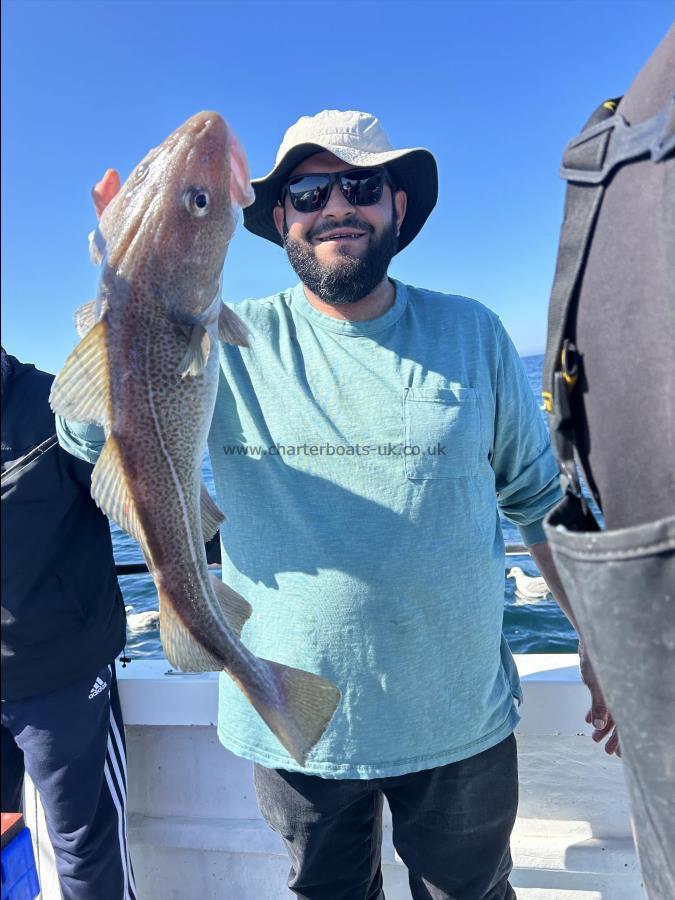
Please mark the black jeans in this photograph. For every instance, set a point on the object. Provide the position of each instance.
(452, 826)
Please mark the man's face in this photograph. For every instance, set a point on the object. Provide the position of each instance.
(341, 252)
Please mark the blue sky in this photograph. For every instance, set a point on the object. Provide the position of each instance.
(494, 89)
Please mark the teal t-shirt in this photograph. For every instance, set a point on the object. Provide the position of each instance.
(361, 466)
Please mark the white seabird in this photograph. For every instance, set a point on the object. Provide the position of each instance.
(142, 621)
(527, 586)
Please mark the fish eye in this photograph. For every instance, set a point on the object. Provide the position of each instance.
(141, 172)
(197, 202)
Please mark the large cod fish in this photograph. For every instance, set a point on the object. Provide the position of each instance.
(147, 370)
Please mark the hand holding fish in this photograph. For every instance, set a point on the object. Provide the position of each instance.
(147, 370)
(104, 190)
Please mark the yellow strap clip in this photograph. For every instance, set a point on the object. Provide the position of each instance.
(570, 374)
(548, 401)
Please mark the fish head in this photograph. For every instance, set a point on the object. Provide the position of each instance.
(169, 226)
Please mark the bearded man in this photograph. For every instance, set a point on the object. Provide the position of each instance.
(361, 446)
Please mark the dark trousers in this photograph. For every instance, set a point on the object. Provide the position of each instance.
(452, 827)
(71, 743)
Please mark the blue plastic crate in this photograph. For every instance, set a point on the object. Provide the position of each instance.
(19, 876)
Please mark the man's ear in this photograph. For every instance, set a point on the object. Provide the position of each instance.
(278, 213)
(400, 204)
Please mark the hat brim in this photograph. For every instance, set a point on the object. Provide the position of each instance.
(413, 170)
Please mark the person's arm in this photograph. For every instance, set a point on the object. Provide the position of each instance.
(528, 486)
(527, 480)
(598, 715)
(82, 440)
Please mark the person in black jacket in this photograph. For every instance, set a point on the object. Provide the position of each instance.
(63, 624)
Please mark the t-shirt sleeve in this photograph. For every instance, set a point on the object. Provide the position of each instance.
(82, 439)
(526, 473)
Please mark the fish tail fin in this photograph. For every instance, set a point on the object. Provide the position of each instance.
(296, 705)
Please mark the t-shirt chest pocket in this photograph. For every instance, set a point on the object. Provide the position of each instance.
(442, 432)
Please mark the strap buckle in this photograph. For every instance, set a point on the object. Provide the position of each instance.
(595, 153)
(562, 428)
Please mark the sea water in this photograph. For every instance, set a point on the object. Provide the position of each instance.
(530, 627)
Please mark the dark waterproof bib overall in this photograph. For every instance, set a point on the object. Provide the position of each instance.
(609, 387)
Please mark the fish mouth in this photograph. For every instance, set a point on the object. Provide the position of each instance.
(203, 121)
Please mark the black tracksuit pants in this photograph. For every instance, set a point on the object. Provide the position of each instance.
(71, 743)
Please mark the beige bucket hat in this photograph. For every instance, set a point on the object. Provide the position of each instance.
(358, 139)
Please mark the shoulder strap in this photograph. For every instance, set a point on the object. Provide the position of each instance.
(606, 142)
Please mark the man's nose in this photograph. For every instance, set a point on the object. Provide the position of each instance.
(337, 204)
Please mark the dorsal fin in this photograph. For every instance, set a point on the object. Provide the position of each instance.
(81, 390)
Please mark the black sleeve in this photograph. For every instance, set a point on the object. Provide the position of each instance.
(213, 550)
(79, 470)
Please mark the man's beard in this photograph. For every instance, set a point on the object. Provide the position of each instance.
(347, 279)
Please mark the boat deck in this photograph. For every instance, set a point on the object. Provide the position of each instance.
(196, 833)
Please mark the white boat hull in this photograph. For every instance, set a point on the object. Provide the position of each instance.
(196, 833)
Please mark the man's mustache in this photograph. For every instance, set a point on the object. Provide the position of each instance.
(353, 222)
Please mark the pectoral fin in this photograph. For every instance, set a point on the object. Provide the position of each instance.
(197, 353)
(81, 390)
(212, 517)
(230, 327)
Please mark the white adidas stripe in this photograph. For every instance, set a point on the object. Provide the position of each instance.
(129, 874)
(125, 781)
(117, 787)
(120, 831)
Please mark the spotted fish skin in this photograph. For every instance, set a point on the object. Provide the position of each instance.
(147, 370)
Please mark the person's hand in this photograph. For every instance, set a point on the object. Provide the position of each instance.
(103, 192)
(598, 715)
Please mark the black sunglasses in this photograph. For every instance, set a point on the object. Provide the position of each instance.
(360, 187)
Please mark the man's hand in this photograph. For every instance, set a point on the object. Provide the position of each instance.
(103, 192)
(598, 715)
